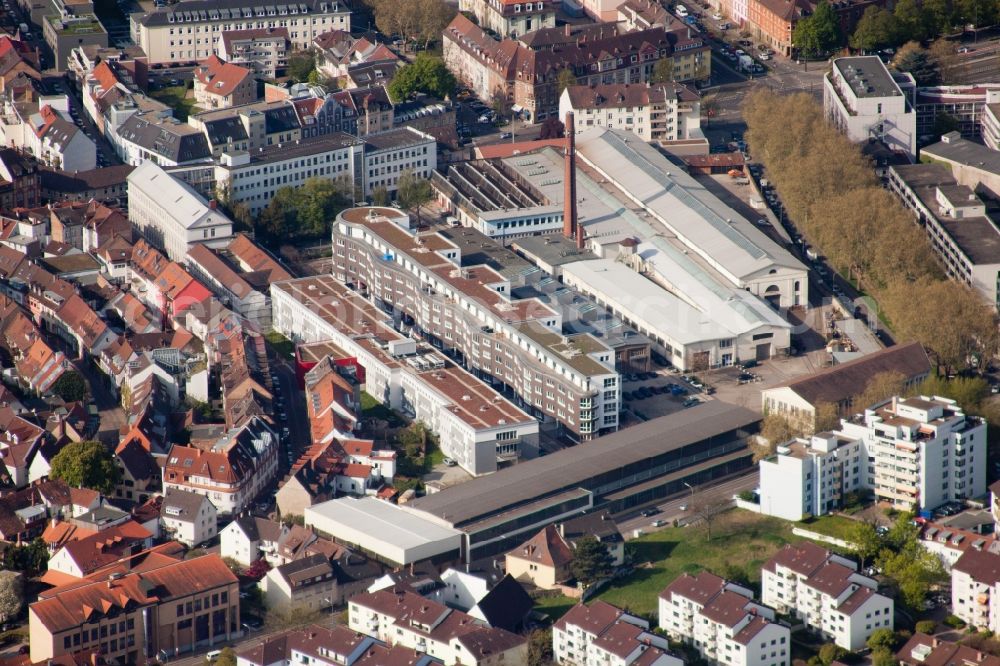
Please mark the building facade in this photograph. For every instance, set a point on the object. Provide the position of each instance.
(669, 112)
(390, 154)
(603, 634)
(510, 18)
(975, 589)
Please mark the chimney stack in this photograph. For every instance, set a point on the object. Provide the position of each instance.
(569, 181)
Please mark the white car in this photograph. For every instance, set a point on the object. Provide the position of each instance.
(764, 56)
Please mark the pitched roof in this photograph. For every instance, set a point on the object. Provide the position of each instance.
(260, 529)
(699, 588)
(593, 619)
(547, 548)
(845, 380)
(506, 604)
(219, 77)
(802, 558)
(182, 505)
(106, 546)
(613, 95)
(932, 651)
(981, 566)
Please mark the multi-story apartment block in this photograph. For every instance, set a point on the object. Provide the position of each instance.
(603, 635)
(511, 18)
(264, 51)
(827, 593)
(175, 607)
(171, 215)
(723, 622)
(865, 101)
(968, 105)
(388, 155)
(916, 453)
(252, 177)
(477, 426)
(403, 618)
(524, 72)
(670, 112)
(923, 649)
(975, 589)
(230, 471)
(962, 232)
(66, 31)
(808, 477)
(190, 32)
(468, 311)
(990, 123)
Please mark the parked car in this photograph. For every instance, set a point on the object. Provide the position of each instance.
(449, 462)
(646, 513)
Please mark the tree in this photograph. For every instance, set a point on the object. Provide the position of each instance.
(663, 71)
(195, 553)
(867, 542)
(233, 565)
(884, 656)
(884, 639)
(880, 387)
(86, 464)
(426, 74)
(435, 15)
(918, 61)
(977, 13)
(291, 519)
(413, 192)
(305, 211)
(565, 79)
(591, 561)
(540, 647)
(911, 20)
(940, 16)
(11, 594)
(300, 65)
(827, 416)
(944, 123)
(71, 386)
(380, 196)
(552, 128)
(775, 429)
(708, 509)
(30, 558)
(876, 29)
(227, 657)
(926, 627)
(818, 33)
(831, 652)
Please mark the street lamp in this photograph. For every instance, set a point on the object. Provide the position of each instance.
(691, 488)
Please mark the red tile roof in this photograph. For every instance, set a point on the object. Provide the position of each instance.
(219, 77)
(547, 548)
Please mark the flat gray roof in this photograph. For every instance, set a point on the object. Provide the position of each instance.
(867, 76)
(968, 153)
(574, 467)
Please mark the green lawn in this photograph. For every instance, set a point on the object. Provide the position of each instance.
(176, 98)
(835, 526)
(741, 542)
(372, 408)
(283, 347)
(555, 606)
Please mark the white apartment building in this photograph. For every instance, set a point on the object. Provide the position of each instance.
(171, 215)
(477, 426)
(45, 130)
(922, 451)
(253, 177)
(666, 112)
(388, 155)
(975, 589)
(600, 634)
(990, 125)
(188, 517)
(511, 18)
(863, 100)
(189, 32)
(723, 622)
(453, 637)
(808, 477)
(827, 593)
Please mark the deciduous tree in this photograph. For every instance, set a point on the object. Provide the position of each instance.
(86, 464)
(427, 74)
(414, 192)
(818, 33)
(540, 647)
(918, 61)
(71, 386)
(875, 30)
(11, 595)
(565, 79)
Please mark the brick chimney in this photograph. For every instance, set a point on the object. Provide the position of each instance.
(569, 180)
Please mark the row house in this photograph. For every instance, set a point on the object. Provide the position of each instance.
(19, 443)
(600, 633)
(45, 130)
(231, 471)
(468, 310)
(827, 593)
(329, 646)
(37, 364)
(338, 51)
(723, 622)
(20, 180)
(667, 112)
(453, 637)
(247, 293)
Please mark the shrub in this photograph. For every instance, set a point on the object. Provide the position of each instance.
(926, 626)
(954, 622)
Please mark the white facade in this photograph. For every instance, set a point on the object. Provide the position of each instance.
(975, 589)
(827, 593)
(252, 178)
(46, 131)
(189, 33)
(809, 477)
(861, 98)
(659, 115)
(190, 523)
(391, 154)
(603, 635)
(171, 215)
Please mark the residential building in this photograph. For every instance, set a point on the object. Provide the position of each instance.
(188, 517)
(544, 560)
(991, 124)
(330, 646)
(190, 33)
(151, 136)
(972, 164)
(107, 184)
(264, 51)
(248, 538)
(390, 154)
(171, 215)
(405, 618)
(477, 427)
(44, 129)
(865, 101)
(252, 177)
(841, 383)
(974, 591)
(20, 180)
(308, 585)
(366, 110)
(950, 543)
(644, 14)
(508, 18)
(810, 477)
(504, 604)
(19, 444)
(140, 474)
(963, 234)
(173, 607)
(968, 105)
(220, 85)
(923, 649)
(827, 593)
(231, 471)
(524, 71)
(723, 622)
(82, 557)
(600, 633)
(661, 113)
(66, 31)
(338, 52)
